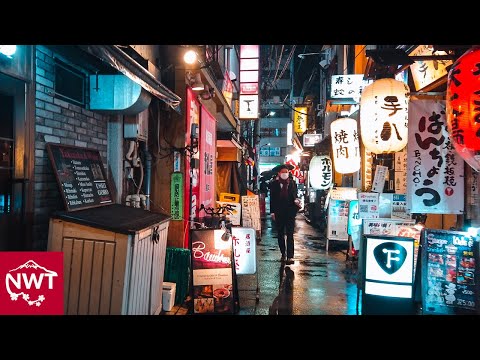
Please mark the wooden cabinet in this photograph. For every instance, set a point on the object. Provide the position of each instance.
(112, 264)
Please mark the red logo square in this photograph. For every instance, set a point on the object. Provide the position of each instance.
(31, 283)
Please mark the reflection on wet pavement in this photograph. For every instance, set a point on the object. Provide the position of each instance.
(316, 284)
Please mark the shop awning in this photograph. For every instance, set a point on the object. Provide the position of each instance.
(117, 58)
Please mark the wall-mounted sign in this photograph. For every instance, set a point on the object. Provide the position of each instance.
(368, 206)
(176, 196)
(80, 176)
(244, 250)
(379, 179)
(227, 89)
(401, 171)
(427, 74)
(435, 175)
(388, 266)
(248, 88)
(309, 140)
(248, 106)
(449, 272)
(249, 66)
(213, 288)
(348, 86)
(300, 119)
(208, 149)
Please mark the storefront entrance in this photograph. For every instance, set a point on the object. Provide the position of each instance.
(12, 153)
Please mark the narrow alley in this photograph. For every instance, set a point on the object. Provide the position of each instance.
(316, 284)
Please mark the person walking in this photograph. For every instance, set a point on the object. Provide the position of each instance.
(284, 204)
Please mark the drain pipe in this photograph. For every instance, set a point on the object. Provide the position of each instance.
(148, 174)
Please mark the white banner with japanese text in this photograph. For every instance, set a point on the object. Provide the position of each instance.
(435, 172)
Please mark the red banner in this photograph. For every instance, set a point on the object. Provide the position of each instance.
(190, 210)
(208, 161)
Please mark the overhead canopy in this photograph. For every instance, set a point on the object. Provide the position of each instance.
(121, 61)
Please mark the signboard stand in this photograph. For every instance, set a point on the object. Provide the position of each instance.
(449, 276)
(245, 257)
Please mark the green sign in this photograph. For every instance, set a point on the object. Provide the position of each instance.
(176, 196)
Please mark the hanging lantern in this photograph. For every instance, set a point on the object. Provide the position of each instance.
(345, 146)
(463, 106)
(320, 172)
(384, 116)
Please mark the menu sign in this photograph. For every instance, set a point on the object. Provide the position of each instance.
(449, 272)
(80, 176)
(212, 272)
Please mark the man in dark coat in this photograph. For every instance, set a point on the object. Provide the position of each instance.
(284, 204)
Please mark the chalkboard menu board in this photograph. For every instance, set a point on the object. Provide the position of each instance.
(449, 272)
(80, 176)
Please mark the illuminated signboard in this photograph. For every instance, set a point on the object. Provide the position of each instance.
(388, 266)
(249, 78)
(300, 119)
(348, 86)
(244, 255)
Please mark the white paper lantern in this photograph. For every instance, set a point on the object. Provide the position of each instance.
(345, 146)
(384, 116)
(320, 172)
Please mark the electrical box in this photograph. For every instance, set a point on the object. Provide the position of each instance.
(136, 126)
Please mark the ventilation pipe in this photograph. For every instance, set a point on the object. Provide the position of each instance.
(117, 94)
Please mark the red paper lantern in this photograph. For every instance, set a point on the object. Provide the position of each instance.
(463, 106)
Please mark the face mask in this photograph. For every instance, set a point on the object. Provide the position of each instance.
(284, 176)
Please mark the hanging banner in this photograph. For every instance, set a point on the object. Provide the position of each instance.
(434, 169)
(176, 196)
(300, 119)
(190, 208)
(207, 159)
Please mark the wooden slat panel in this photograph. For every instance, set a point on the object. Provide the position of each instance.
(87, 232)
(107, 276)
(156, 291)
(67, 265)
(133, 278)
(146, 276)
(97, 274)
(160, 271)
(75, 276)
(119, 272)
(55, 235)
(85, 291)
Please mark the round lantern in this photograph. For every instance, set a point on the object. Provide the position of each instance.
(320, 172)
(345, 146)
(463, 106)
(384, 116)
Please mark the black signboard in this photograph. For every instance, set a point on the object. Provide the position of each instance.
(80, 176)
(449, 272)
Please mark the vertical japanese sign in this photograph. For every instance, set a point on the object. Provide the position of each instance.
(367, 169)
(212, 272)
(473, 197)
(300, 119)
(207, 159)
(428, 73)
(401, 171)
(249, 78)
(176, 196)
(244, 254)
(191, 206)
(379, 179)
(434, 169)
(227, 89)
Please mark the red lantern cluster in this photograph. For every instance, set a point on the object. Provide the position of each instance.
(463, 106)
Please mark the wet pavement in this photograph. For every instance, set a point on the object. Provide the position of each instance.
(318, 283)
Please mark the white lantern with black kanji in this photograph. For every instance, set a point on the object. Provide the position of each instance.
(320, 172)
(345, 146)
(384, 116)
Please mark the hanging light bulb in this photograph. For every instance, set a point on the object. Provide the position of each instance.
(190, 57)
(8, 50)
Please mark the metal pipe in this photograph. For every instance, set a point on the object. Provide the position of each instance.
(148, 174)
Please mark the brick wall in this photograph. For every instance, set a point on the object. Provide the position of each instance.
(57, 121)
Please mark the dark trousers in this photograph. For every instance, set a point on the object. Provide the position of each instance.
(285, 224)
